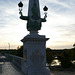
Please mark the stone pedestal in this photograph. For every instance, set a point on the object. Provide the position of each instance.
(34, 54)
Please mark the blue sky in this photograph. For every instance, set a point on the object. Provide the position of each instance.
(59, 26)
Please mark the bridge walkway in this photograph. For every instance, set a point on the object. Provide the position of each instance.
(8, 68)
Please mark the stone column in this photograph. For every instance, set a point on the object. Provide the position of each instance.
(35, 48)
(34, 51)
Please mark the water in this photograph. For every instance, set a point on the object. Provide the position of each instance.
(55, 62)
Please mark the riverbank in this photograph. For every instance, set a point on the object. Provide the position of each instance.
(62, 73)
(56, 70)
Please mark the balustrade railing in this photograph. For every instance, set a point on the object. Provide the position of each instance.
(18, 61)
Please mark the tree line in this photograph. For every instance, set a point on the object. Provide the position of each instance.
(65, 56)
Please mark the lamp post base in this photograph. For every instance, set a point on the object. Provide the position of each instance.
(34, 52)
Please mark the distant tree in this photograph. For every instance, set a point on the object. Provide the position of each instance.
(74, 45)
(65, 56)
(18, 47)
(65, 60)
(20, 51)
(71, 53)
(48, 49)
(49, 56)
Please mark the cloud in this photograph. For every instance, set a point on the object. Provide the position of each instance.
(60, 25)
(60, 6)
(67, 30)
(57, 2)
(12, 29)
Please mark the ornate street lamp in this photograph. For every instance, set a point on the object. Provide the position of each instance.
(20, 7)
(9, 45)
(45, 9)
(34, 45)
(34, 19)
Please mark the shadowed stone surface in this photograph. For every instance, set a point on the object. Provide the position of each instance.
(7, 68)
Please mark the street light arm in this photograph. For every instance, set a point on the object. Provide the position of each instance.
(21, 13)
(23, 17)
(45, 15)
(43, 19)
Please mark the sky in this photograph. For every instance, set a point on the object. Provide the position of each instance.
(59, 26)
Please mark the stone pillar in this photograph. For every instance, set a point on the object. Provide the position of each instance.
(35, 54)
(34, 51)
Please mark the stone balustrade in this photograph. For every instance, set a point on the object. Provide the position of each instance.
(18, 61)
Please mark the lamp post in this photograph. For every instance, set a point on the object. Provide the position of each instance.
(45, 9)
(34, 45)
(20, 7)
(9, 45)
(33, 19)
